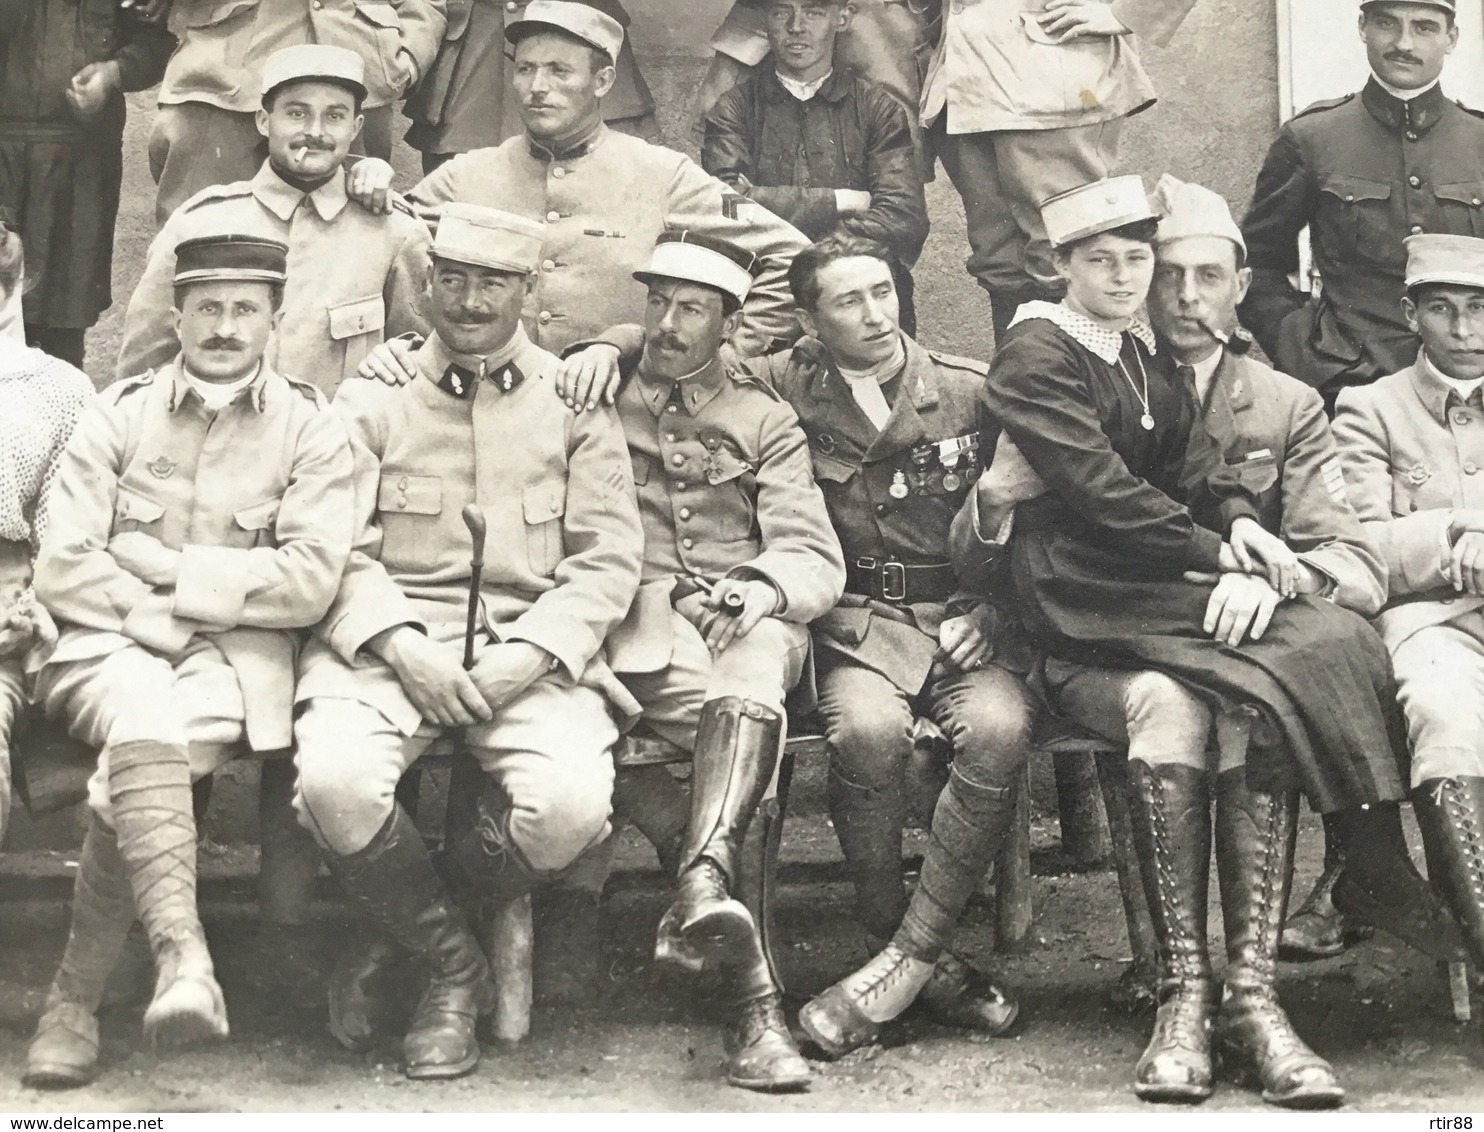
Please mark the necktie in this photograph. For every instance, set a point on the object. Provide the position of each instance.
(868, 395)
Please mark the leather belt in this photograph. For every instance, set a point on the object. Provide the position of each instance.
(898, 583)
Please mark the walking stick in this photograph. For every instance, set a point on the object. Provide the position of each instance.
(474, 520)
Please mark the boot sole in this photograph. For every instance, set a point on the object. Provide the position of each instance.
(1234, 1067)
(772, 1084)
(58, 1077)
(188, 1012)
(1174, 1094)
(829, 1047)
(724, 938)
(442, 1072)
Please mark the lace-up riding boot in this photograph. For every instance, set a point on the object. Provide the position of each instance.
(1380, 885)
(485, 863)
(149, 785)
(737, 744)
(1170, 815)
(1451, 814)
(393, 882)
(1255, 835)
(761, 1054)
(64, 1052)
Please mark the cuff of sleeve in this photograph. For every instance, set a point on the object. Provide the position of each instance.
(1234, 509)
(571, 641)
(1422, 555)
(212, 585)
(1328, 583)
(348, 636)
(753, 574)
(1000, 520)
(1205, 549)
(153, 624)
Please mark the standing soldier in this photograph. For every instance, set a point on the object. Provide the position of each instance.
(64, 68)
(204, 133)
(478, 428)
(1412, 445)
(201, 514)
(605, 196)
(355, 276)
(467, 99)
(1362, 173)
(738, 558)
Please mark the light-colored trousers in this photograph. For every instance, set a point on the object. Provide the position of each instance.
(1440, 685)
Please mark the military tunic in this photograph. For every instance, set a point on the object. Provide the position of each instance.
(605, 203)
(725, 490)
(354, 277)
(561, 565)
(1362, 172)
(1412, 449)
(258, 499)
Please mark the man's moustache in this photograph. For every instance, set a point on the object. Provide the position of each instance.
(1402, 57)
(222, 344)
(667, 342)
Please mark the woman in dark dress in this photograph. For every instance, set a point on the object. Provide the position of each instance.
(1104, 563)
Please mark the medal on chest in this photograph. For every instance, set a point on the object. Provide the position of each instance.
(898, 488)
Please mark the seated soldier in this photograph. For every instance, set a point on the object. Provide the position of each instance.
(1411, 447)
(200, 515)
(739, 557)
(479, 429)
(822, 147)
(41, 398)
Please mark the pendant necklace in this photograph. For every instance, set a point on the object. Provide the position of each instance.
(1147, 420)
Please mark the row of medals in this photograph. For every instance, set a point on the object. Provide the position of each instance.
(919, 481)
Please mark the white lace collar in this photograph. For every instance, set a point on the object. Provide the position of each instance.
(1099, 340)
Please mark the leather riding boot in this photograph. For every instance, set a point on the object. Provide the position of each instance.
(64, 1052)
(869, 824)
(1255, 835)
(392, 880)
(1451, 814)
(1380, 885)
(357, 995)
(1170, 815)
(1317, 930)
(650, 797)
(149, 786)
(484, 862)
(761, 1054)
(736, 753)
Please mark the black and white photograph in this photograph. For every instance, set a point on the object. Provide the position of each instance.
(807, 558)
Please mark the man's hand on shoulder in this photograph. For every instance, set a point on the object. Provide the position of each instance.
(432, 675)
(369, 184)
(393, 362)
(589, 376)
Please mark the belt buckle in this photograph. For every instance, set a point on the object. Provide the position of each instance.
(893, 581)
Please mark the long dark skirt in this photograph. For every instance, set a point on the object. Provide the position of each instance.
(1320, 676)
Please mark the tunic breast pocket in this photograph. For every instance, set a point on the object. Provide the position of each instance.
(137, 513)
(356, 326)
(254, 526)
(1416, 489)
(1355, 213)
(1462, 206)
(544, 505)
(408, 509)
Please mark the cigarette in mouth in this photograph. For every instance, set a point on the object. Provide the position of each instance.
(301, 153)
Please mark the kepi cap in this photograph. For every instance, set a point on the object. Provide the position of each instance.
(489, 237)
(586, 23)
(231, 257)
(1434, 257)
(1193, 210)
(700, 259)
(315, 62)
(1093, 208)
(1449, 6)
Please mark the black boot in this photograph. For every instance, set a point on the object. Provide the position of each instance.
(1317, 930)
(869, 824)
(736, 752)
(1255, 835)
(761, 1053)
(1382, 887)
(1451, 814)
(358, 993)
(484, 862)
(1171, 820)
(393, 882)
(1002, 307)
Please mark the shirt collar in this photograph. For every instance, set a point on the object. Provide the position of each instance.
(1417, 114)
(283, 199)
(181, 389)
(694, 391)
(579, 148)
(1106, 344)
(833, 87)
(434, 358)
(1435, 389)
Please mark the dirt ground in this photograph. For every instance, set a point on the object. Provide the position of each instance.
(652, 1043)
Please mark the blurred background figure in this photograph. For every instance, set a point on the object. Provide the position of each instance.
(64, 68)
(466, 101)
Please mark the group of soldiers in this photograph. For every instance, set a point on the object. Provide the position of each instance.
(580, 445)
